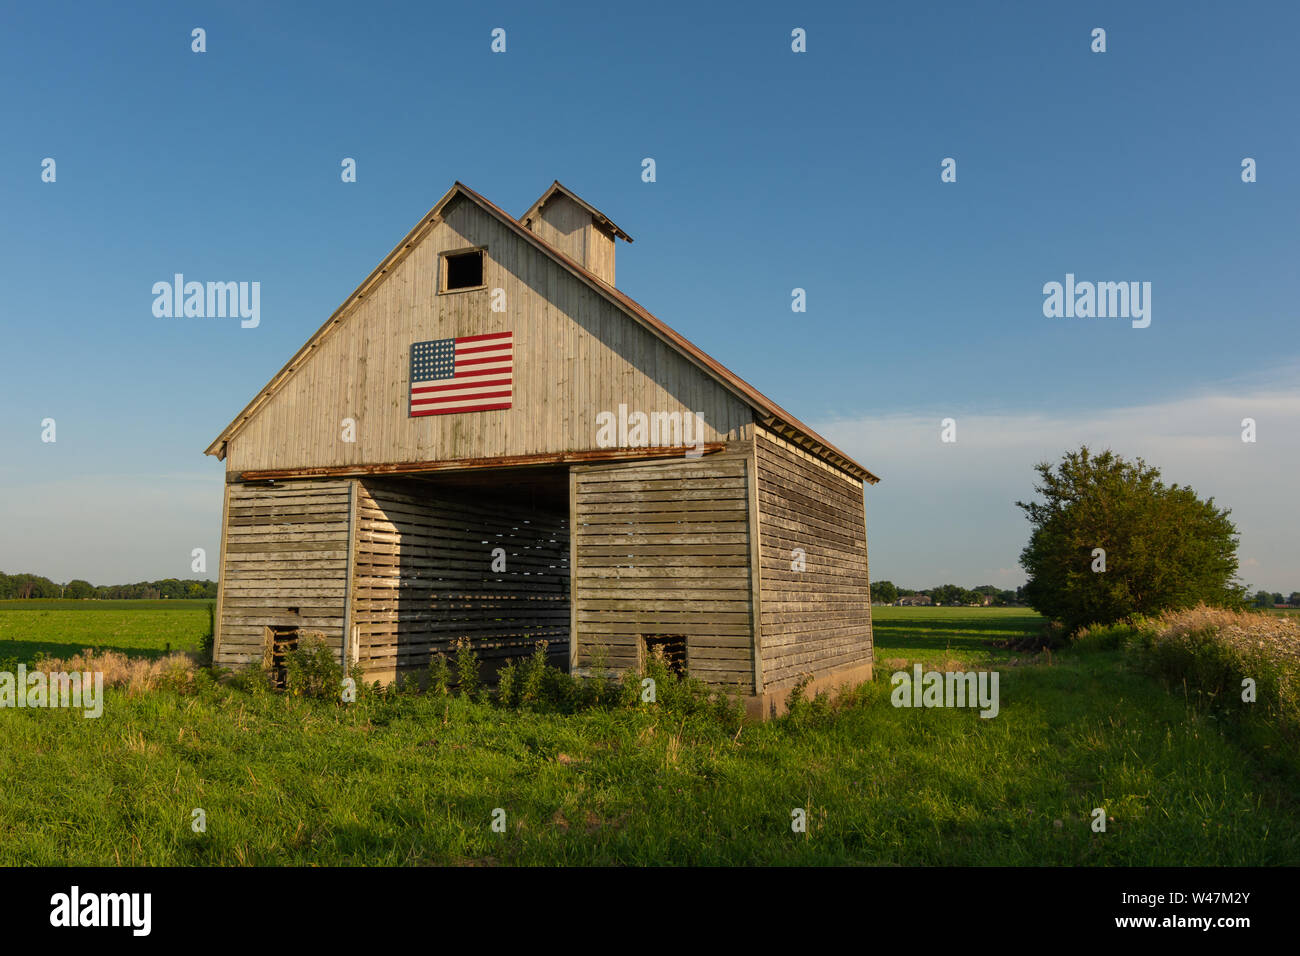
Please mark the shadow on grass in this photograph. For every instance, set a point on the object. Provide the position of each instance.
(25, 651)
(937, 631)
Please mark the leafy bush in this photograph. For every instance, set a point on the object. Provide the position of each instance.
(533, 682)
(596, 689)
(508, 684)
(628, 692)
(795, 699)
(683, 695)
(438, 681)
(250, 680)
(535, 685)
(468, 679)
(1164, 547)
(311, 670)
(407, 685)
(1108, 637)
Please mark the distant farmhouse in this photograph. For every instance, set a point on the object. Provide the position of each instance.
(488, 441)
(915, 600)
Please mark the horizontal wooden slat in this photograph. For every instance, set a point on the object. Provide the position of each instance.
(817, 619)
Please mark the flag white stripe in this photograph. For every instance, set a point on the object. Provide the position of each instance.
(478, 400)
(458, 395)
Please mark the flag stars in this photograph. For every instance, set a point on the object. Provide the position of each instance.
(433, 360)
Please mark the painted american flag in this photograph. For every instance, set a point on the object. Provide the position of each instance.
(473, 373)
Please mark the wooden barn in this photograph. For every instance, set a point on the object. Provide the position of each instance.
(488, 440)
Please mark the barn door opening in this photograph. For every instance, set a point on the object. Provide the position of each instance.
(480, 556)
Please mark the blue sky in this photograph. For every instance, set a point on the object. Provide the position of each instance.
(775, 170)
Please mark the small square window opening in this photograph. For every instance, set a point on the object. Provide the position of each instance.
(464, 270)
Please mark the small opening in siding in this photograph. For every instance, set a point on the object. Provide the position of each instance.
(279, 642)
(670, 648)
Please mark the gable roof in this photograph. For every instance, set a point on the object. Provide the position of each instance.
(596, 214)
(770, 415)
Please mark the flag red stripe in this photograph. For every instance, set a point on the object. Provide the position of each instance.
(436, 399)
(484, 337)
(444, 388)
(480, 372)
(485, 348)
(481, 361)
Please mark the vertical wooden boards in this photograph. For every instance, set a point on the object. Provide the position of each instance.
(600, 252)
(755, 565)
(424, 576)
(663, 548)
(816, 620)
(284, 559)
(562, 224)
(576, 355)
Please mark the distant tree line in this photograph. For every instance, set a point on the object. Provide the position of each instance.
(1267, 599)
(886, 592)
(33, 586)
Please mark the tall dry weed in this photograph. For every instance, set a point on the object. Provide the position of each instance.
(1218, 654)
(136, 674)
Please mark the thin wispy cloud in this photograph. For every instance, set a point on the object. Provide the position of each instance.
(952, 505)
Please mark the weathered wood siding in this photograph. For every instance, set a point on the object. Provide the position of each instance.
(664, 548)
(600, 250)
(284, 562)
(817, 620)
(566, 226)
(563, 224)
(423, 577)
(576, 355)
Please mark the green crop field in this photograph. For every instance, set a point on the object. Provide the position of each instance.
(962, 634)
(61, 628)
(416, 779)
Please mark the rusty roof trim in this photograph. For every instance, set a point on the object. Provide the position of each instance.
(415, 468)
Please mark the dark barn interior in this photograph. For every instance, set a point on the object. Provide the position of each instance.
(482, 554)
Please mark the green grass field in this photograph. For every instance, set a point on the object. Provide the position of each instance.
(415, 779)
(964, 634)
(62, 628)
